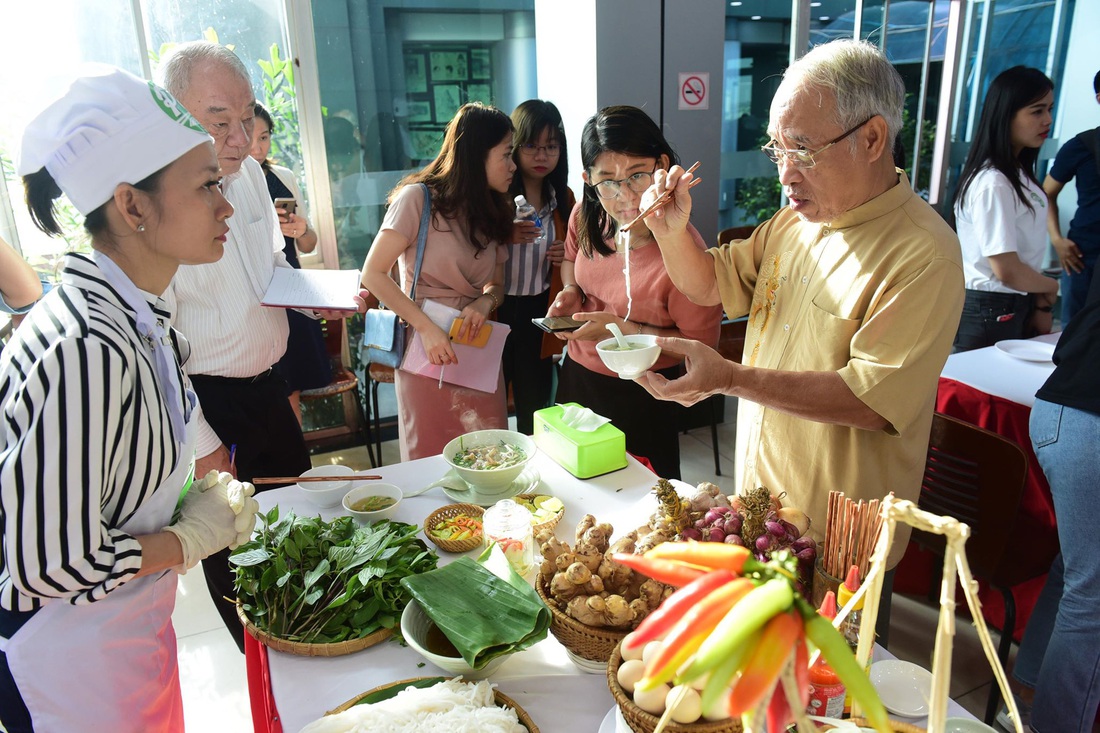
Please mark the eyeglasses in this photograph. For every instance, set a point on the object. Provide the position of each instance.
(531, 150)
(637, 183)
(805, 158)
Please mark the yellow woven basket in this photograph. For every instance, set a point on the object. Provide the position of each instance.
(549, 523)
(303, 649)
(448, 512)
(588, 642)
(501, 700)
(642, 722)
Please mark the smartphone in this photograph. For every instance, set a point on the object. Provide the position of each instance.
(550, 324)
(289, 206)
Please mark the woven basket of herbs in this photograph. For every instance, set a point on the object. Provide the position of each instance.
(315, 588)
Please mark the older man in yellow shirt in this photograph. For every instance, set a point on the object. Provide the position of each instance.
(853, 293)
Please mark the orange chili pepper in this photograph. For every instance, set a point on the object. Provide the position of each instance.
(665, 571)
(675, 606)
(710, 555)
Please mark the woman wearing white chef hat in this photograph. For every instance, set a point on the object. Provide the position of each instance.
(97, 504)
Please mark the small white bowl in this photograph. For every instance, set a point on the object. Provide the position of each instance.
(362, 491)
(905, 688)
(966, 725)
(489, 481)
(414, 627)
(326, 493)
(634, 362)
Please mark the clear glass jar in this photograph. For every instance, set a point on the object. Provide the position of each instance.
(509, 525)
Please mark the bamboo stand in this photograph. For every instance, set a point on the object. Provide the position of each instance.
(954, 565)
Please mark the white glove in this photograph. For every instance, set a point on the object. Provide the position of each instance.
(244, 507)
(207, 521)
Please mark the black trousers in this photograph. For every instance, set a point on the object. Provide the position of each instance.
(989, 317)
(530, 376)
(254, 415)
(650, 424)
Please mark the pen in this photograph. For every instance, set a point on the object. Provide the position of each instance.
(233, 458)
(441, 377)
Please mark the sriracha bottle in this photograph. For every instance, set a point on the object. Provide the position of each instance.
(826, 689)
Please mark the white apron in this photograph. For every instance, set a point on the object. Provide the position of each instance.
(110, 666)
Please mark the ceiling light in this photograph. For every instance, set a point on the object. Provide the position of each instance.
(735, 4)
(755, 17)
(815, 5)
(824, 18)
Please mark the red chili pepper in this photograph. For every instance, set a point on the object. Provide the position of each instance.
(710, 555)
(675, 606)
(691, 630)
(665, 571)
(766, 662)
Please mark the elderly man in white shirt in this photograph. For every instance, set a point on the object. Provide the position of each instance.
(247, 419)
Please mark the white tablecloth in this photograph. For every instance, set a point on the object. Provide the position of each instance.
(994, 372)
(555, 693)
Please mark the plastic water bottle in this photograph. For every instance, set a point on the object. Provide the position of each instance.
(526, 212)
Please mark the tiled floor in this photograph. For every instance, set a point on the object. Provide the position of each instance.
(213, 673)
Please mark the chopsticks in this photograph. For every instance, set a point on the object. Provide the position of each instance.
(305, 479)
(663, 199)
(851, 530)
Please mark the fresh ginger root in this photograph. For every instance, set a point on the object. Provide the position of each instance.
(574, 581)
(612, 611)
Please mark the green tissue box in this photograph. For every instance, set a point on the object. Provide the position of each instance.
(583, 454)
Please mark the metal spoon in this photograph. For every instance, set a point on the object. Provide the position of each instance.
(618, 334)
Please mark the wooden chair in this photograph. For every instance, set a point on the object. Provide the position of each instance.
(977, 477)
(731, 233)
(345, 384)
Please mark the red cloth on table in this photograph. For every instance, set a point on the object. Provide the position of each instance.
(265, 718)
(1035, 529)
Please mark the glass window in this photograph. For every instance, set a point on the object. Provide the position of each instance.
(392, 74)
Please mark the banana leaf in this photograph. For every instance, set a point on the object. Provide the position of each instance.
(483, 615)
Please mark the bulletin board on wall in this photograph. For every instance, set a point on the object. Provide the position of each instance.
(440, 78)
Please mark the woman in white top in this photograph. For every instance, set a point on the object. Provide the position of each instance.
(1000, 214)
(98, 511)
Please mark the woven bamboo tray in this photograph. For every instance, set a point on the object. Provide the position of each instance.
(642, 722)
(588, 642)
(549, 523)
(303, 649)
(501, 699)
(447, 512)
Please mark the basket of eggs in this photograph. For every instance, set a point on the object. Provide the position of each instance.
(643, 709)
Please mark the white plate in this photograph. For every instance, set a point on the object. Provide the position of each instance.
(525, 483)
(590, 666)
(1027, 350)
(905, 688)
(614, 722)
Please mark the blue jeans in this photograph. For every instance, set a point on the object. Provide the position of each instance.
(1060, 652)
(1075, 288)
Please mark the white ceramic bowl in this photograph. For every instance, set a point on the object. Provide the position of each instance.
(966, 725)
(414, 627)
(633, 363)
(362, 491)
(327, 493)
(490, 480)
(905, 688)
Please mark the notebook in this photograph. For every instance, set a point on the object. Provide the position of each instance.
(477, 368)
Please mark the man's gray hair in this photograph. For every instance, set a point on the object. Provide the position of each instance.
(860, 77)
(175, 71)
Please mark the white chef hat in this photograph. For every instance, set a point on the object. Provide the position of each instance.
(110, 127)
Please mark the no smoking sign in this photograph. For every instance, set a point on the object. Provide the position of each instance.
(695, 90)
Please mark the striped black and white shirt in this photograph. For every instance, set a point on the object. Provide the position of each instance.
(527, 271)
(86, 439)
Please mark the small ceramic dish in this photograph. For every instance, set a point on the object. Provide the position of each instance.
(633, 362)
(326, 493)
(905, 688)
(386, 496)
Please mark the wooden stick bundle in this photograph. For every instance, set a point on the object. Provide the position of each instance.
(851, 528)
